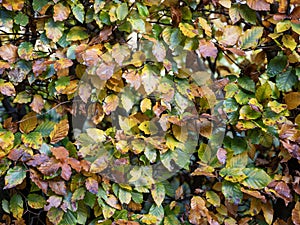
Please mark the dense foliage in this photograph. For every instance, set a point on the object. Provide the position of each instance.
(109, 115)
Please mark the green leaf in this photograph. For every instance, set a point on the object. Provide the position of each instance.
(36, 201)
(16, 206)
(32, 140)
(78, 12)
(247, 113)
(54, 30)
(138, 25)
(45, 128)
(264, 92)
(124, 196)
(21, 19)
(77, 34)
(246, 83)
(39, 4)
(78, 194)
(238, 145)
(256, 178)
(158, 193)
(251, 37)
(276, 65)
(122, 11)
(232, 192)
(171, 220)
(286, 80)
(295, 27)
(230, 105)
(14, 176)
(25, 50)
(5, 206)
(143, 10)
(213, 198)
(242, 97)
(248, 14)
(55, 215)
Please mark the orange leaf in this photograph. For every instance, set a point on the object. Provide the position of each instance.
(61, 12)
(59, 132)
(60, 153)
(292, 100)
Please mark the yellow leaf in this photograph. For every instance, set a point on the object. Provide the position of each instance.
(180, 133)
(268, 212)
(205, 26)
(231, 35)
(289, 42)
(148, 127)
(225, 3)
(28, 123)
(59, 132)
(145, 105)
(292, 100)
(296, 214)
(96, 134)
(187, 30)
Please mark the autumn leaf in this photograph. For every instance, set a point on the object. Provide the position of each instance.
(60, 131)
(259, 5)
(8, 52)
(251, 37)
(61, 12)
(29, 123)
(37, 103)
(207, 49)
(60, 153)
(7, 88)
(292, 99)
(58, 187)
(13, 5)
(296, 214)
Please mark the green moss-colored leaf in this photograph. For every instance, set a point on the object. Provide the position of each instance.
(78, 12)
(256, 178)
(32, 140)
(21, 19)
(25, 50)
(143, 10)
(14, 176)
(232, 192)
(16, 206)
(36, 201)
(76, 34)
(247, 113)
(213, 198)
(251, 37)
(276, 65)
(264, 92)
(122, 11)
(286, 80)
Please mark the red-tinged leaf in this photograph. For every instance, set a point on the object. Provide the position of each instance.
(222, 155)
(58, 187)
(38, 160)
(284, 192)
(133, 78)
(105, 70)
(61, 11)
(259, 5)
(50, 167)
(105, 33)
(111, 102)
(55, 215)
(60, 153)
(7, 89)
(207, 49)
(19, 154)
(66, 171)
(39, 66)
(37, 103)
(295, 15)
(85, 91)
(91, 185)
(53, 201)
(29, 122)
(236, 51)
(74, 163)
(296, 214)
(36, 178)
(9, 52)
(59, 132)
(62, 64)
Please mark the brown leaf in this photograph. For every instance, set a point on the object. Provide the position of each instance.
(8, 124)
(37, 103)
(59, 187)
(91, 185)
(91, 56)
(268, 212)
(38, 160)
(60, 153)
(28, 123)
(111, 102)
(39, 67)
(74, 163)
(124, 222)
(61, 12)
(133, 78)
(7, 89)
(66, 171)
(49, 167)
(259, 5)
(295, 15)
(283, 4)
(95, 111)
(207, 49)
(284, 192)
(59, 132)
(9, 53)
(296, 214)
(53, 201)
(255, 194)
(176, 15)
(113, 202)
(36, 178)
(198, 210)
(292, 99)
